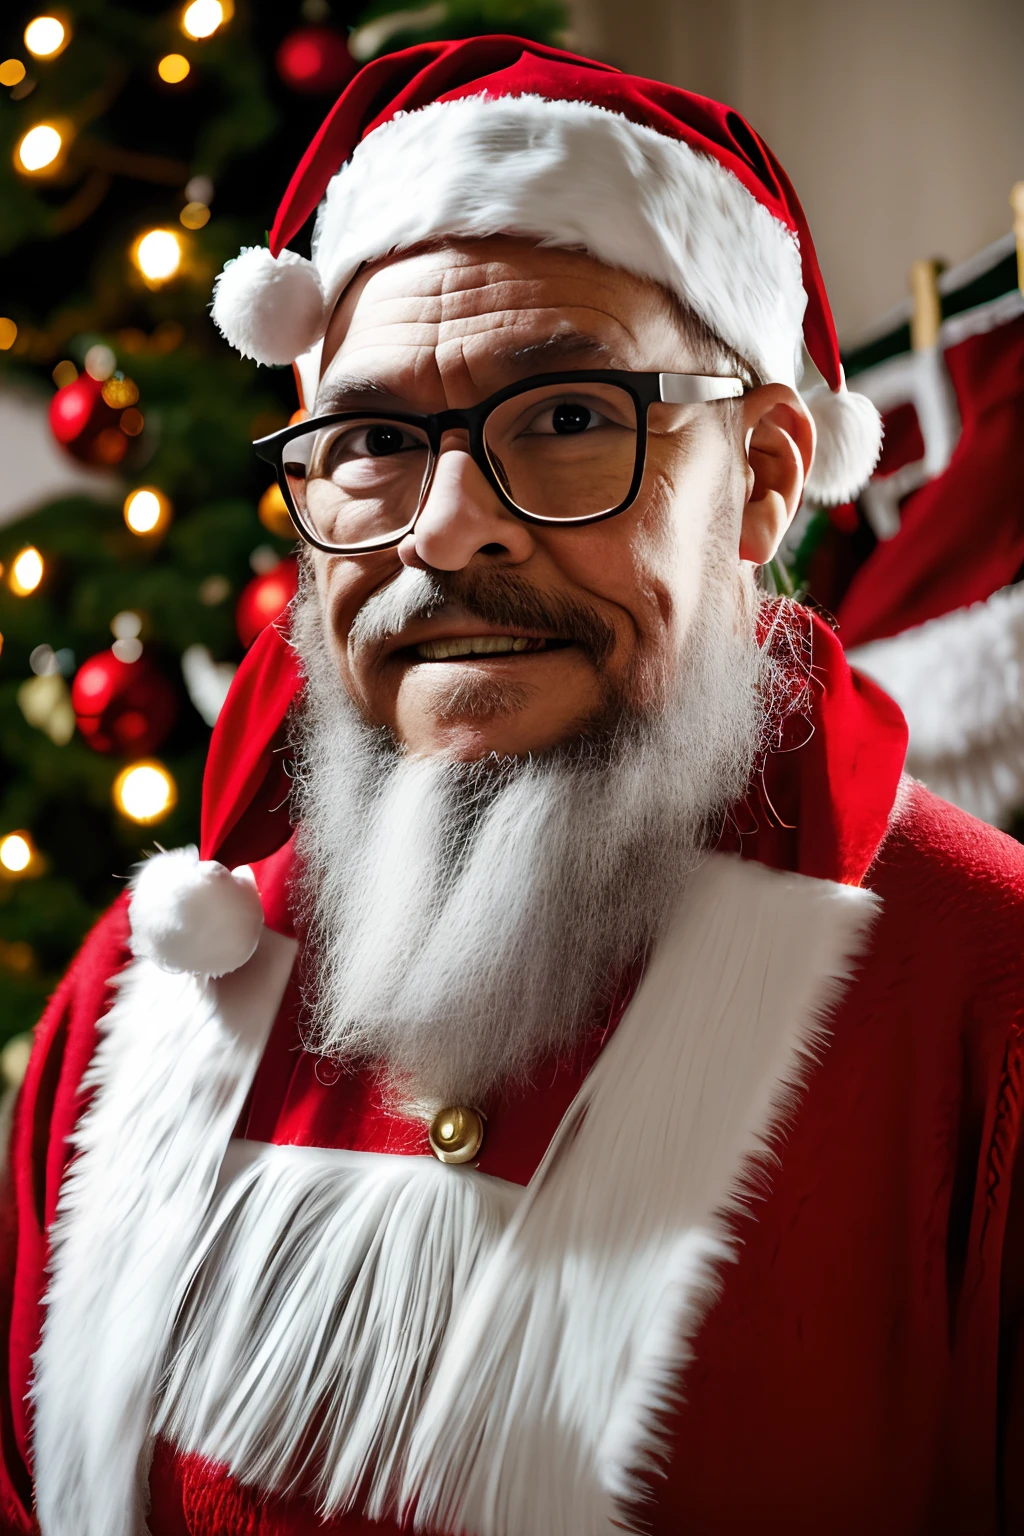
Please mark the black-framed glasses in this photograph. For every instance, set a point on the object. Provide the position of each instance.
(557, 448)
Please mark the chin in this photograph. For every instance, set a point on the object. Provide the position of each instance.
(475, 716)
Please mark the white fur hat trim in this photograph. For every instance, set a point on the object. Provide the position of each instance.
(269, 308)
(194, 915)
(571, 175)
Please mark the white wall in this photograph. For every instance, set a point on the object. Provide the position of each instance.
(900, 122)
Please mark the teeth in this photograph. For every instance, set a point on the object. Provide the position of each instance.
(476, 645)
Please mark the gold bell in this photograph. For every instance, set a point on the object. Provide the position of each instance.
(457, 1134)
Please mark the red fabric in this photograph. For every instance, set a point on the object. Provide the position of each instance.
(508, 66)
(299, 1100)
(821, 803)
(847, 1378)
(858, 1371)
(243, 753)
(47, 1111)
(961, 536)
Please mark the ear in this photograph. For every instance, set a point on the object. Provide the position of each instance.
(779, 436)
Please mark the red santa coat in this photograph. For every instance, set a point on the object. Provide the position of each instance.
(858, 1364)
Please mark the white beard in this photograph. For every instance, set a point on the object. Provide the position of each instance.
(464, 920)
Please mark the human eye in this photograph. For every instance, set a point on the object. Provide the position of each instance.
(565, 418)
(368, 441)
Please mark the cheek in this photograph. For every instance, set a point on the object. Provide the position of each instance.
(343, 587)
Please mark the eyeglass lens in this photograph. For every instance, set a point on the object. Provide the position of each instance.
(557, 452)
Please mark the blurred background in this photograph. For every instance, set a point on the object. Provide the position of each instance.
(142, 548)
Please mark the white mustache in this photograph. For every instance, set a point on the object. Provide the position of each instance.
(411, 595)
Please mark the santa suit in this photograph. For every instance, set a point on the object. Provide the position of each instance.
(750, 1261)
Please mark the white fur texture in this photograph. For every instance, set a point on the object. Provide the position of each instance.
(959, 679)
(194, 915)
(849, 440)
(170, 1076)
(268, 308)
(553, 1321)
(322, 1293)
(572, 175)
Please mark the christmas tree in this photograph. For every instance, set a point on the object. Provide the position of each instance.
(140, 147)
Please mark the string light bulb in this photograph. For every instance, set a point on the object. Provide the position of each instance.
(26, 571)
(145, 792)
(173, 68)
(16, 853)
(147, 511)
(157, 254)
(202, 18)
(38, 149)
(45, 37)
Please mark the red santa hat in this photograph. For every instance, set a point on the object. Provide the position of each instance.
(496, 135)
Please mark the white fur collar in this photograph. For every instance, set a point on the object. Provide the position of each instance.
(555, 1320)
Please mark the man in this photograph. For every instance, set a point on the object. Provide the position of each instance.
(593, 1104)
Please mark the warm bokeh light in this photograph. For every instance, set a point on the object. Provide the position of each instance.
(145, 792)
(194, 215)
(14, 1057)
(46, 37)
(12, 72)
(100, 361)
(147, 511)
(16, 852)
(8, 334)
(38, 148)
(26, 572)
(157, 255)
(273, 512)
(120, 393)
(202, 18)
(173, 68)
(132, 422)
(64, 374)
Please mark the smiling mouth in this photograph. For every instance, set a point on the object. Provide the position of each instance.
(470, 646)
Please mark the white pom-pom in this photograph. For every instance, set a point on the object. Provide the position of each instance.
(849, 442)
(270, 308)
(194, 915)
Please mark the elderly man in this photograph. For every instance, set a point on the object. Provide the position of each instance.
(590, 1100)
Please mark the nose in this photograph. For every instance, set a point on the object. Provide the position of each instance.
(463, 517)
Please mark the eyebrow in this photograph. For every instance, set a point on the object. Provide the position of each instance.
(565, 346)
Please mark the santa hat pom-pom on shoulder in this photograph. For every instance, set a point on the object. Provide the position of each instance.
(194, 915)
(849, 440)
(270, 308)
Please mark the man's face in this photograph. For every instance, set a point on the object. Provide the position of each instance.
(444, 329)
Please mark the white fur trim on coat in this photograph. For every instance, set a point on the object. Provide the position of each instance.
(518, 1390)
(175, 1061)
(959, 679)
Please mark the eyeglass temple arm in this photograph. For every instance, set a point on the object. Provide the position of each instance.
(696, 388)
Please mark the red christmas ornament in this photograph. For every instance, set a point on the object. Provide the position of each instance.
(314, 59)
(126, 707)
(85, 425)
(265, 599)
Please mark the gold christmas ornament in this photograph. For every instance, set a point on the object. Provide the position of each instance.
(272, 511)
(457, 1134)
